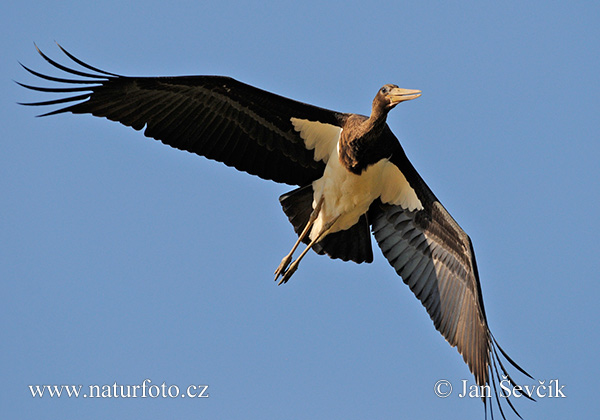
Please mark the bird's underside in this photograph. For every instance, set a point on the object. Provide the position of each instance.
(335, 206)
(352, 174)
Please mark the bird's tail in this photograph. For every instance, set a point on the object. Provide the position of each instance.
(353, 244)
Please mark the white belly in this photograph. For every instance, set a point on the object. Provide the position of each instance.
(346, 196)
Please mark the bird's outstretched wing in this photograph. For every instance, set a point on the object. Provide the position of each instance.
(435, 258)
(212, 116)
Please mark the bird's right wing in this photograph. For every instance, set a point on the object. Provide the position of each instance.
(217, 117)
(435, 258)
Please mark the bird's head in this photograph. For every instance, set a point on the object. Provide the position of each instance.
(391, 95)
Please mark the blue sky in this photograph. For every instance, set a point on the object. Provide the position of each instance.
(124, 260)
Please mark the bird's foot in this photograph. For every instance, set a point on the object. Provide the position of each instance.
(281, 270)
(288, 273)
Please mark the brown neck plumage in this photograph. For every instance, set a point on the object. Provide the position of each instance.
(358, 147)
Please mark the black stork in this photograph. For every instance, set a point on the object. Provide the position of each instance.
(352, 173)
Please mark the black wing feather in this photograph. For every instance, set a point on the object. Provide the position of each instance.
(212, 116)
(435, 258)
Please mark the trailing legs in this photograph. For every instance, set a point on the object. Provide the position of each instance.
(285, 269)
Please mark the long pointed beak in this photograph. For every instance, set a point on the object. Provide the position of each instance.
(398, 95)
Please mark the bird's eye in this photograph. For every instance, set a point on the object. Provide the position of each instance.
(384, 90)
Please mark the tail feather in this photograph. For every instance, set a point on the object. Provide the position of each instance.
(353, 244)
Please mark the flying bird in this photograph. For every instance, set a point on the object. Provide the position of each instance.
(353, 177)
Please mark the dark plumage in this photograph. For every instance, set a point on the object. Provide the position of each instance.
(352, 173)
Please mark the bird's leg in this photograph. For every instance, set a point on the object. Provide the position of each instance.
(294, 265)
(285, 262)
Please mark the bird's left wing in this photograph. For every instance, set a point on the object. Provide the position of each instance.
(435, 258)
(217, 117)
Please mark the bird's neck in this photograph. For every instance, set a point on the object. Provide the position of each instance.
(376, 121)
(360, 141)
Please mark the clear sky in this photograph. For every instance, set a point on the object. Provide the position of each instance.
(123, 260)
